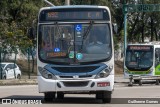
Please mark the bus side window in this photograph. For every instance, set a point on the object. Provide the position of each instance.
(157, 56)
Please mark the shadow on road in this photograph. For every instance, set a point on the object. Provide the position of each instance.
(65, 100)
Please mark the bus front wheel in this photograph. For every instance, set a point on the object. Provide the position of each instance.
(49, 96)
(104, 95)
(136, 81)
(60, 95)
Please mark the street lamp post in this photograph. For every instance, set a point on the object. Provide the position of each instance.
(125, 30)
(125, 24)
(67, 2)
(0, 58)
(49, 3)
(29, 75)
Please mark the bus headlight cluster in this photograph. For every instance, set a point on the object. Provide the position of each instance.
(104, 73)
(151, 70)
(46, 74)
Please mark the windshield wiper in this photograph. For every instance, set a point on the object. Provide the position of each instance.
(87, 32)
(59, 33)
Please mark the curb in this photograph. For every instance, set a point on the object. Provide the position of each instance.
(19, 82)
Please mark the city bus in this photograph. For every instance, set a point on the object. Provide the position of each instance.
(75, 52)
(142, 61)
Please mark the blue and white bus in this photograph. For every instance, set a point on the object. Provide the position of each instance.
(75, 51)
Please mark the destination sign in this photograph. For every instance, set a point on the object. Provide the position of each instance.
(139, 47)
(74, 14)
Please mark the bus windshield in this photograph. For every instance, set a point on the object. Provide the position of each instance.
(74, 43)
(139, 57)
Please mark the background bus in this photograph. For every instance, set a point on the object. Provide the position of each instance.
(75, 51)
(142, 60)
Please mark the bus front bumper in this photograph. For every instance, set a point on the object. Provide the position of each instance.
(75, 85)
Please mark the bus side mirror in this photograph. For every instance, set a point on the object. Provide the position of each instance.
(115, 28)
(31, 33)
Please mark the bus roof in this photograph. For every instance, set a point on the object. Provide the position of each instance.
(74, 6)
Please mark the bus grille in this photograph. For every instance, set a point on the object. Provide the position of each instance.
(82, 69)
(76, 83)
(80, 76)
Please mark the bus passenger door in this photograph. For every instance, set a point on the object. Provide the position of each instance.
(157, 61)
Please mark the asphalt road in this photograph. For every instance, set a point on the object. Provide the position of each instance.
(123, 96)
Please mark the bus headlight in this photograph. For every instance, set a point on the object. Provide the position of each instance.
(104, 73)
(151, 70)
(46, 74)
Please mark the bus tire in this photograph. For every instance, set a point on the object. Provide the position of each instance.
(157, 82)
(107, 96)
(104, 95)
(49, 96)
(136, 81)
(60, 95)
(130, 84)
(140, 82)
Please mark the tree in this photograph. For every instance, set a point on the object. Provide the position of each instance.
(16, 17)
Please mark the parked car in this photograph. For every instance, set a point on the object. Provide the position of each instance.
(10, 70)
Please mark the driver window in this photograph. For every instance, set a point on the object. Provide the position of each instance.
(8, 66)
(47, 38)
(157, 56)
(14, 66)
(96, 37)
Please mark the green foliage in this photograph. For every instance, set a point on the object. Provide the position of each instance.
(16, 16)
